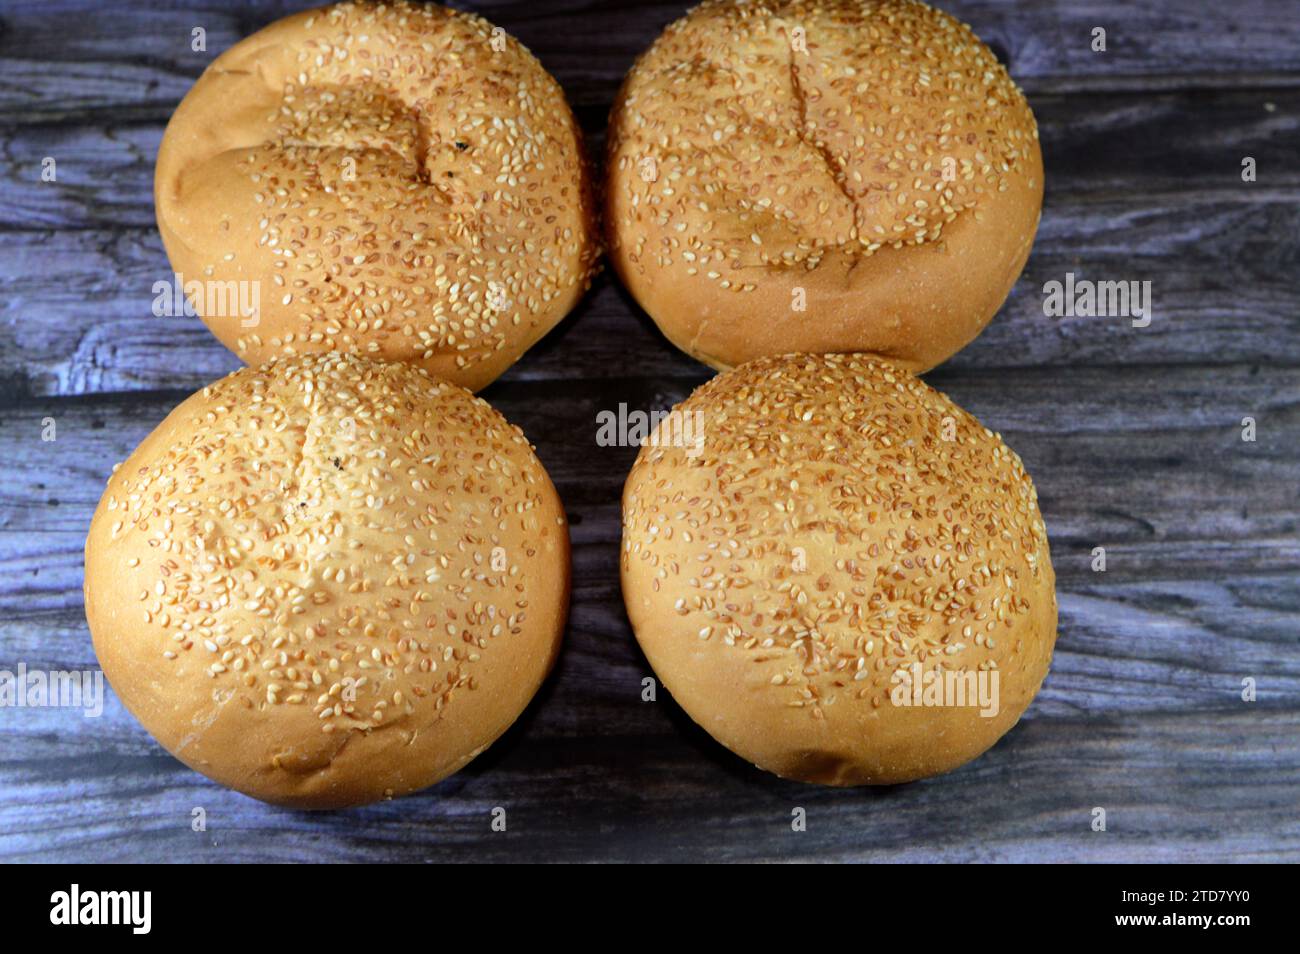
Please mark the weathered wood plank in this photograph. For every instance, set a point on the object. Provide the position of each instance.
(1124, 647)
(1202, 585)
(1117, 454)
(1215, 786)
(1132, 435)
(61, 60)
(77, 315)
(104, 176)
(1158, 146)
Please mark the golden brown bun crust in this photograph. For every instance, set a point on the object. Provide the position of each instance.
(328, 580)
(404, 181)
(826, 536)
(776, 170)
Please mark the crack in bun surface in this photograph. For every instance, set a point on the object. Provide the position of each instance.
(328, 580)
(821, 176)
(840, 522)
(401, 181)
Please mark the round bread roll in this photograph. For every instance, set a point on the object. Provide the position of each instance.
(821, 176)
(843, 539)
(400, 181)
(328, 580)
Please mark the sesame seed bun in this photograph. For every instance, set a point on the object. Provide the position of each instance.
(841, 522)
(825, 176)
(328, 580)
(403, 181)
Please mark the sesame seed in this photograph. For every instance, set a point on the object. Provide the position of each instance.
(376, 166)
(298, 559)
(798, 155)
(827, 521)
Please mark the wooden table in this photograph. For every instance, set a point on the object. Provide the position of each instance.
(1134, 437)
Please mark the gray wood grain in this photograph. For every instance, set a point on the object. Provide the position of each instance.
(62, 59)
(105, 168)
(1202, 561)
(78, 319)
(1133, 437)
(1173, 786)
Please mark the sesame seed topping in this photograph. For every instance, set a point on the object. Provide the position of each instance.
(407, 159)
(842, 520)
(303, 521)
(782, 130)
